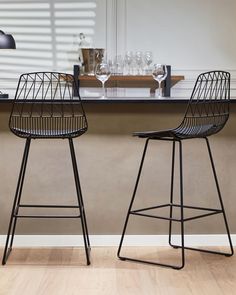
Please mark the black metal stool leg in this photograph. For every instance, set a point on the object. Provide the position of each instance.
(181, 214)
(220, 198)
(181, 204)
(16, 203)
(182, 247)
(80, 202)
(222, 210)
(84, 214)
(80, 194)
(172, 191)
(132, 200)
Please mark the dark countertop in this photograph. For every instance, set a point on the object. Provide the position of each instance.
(166, 100)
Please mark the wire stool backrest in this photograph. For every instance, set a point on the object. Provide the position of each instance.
(47, 104)
(208, 108)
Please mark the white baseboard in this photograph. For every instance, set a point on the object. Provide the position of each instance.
(113, 240)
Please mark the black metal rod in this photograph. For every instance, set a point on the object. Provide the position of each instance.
(197, 208)
(133, 197)
(181, 202)
(76, 79)
(150, 262)
(7, 255)
(162, 139)
(201, 216)
(48, 206)
(77, 181)
(172, 189)
(12, 225)
(175, 219)
(219, 195)
(151, 208)
(176, 205)
(47, 216)
(204, 250)
(20, 190)
(167, 83)
(155, 216)
(79, 197)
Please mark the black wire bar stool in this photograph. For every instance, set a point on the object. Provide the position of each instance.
(47, 105)
(206, 114)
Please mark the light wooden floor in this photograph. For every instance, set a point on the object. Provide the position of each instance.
(63, 271)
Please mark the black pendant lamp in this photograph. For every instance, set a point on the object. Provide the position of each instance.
(6, 42)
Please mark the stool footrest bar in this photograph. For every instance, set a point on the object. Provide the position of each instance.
(47, 216)
(154, 216)
(176, 205)
(47, 206)
(212, 212)
(203, 215)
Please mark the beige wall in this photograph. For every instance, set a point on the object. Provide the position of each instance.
(108, 158)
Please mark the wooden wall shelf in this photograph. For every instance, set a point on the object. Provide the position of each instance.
(126, 81)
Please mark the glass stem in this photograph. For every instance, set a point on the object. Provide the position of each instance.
(159, 89)
(103, 90)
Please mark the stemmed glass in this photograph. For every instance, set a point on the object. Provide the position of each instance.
(148, 58)
(103, 73)
(129, 60)
(159, 73)
(139, 61)
(119, 64)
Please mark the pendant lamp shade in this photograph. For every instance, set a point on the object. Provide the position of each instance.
(6, 41)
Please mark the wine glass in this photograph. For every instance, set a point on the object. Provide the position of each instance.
(119, 64)
(159, 74)
(139, 62)
(148, 58)
(102, 73)
(129, 60)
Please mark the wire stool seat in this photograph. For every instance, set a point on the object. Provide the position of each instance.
(206, 114)
(47, 105)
